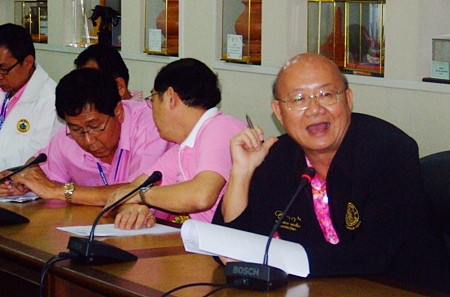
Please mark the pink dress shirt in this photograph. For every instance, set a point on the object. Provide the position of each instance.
(139, 147)
(322, 209)
(13, 100)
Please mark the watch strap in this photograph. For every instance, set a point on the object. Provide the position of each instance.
(142, 192)
(68, 191)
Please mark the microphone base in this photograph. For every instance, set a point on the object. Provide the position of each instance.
(8, 217)
(254, 276)
(99, 252)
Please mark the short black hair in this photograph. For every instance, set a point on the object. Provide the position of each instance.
(107, 58)
(194, 82)
(17, 40)
(86, 87)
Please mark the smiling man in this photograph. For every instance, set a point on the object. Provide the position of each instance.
(107, 142)
(364, 212)
(27, 99)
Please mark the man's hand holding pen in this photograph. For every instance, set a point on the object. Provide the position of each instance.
(247, 153)
(248, 148)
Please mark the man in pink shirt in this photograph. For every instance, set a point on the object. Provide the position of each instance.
(108, 59)
(195, 171)
(107, 142)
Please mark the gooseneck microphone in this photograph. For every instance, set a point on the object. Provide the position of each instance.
(93, 252)
(39, 159)
(263, 277)
(8, 217)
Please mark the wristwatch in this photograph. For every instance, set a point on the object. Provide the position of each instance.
(68, 191)
(142, 192)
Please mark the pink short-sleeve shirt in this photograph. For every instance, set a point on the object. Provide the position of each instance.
(207, 148)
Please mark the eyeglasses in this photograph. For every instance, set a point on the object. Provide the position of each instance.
(93, 131)
(7, 71)
(149, 99)
(323, 97)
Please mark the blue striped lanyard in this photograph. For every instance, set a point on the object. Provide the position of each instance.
(102, 174)
(4, 107)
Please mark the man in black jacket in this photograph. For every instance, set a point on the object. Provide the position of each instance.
(364, 212)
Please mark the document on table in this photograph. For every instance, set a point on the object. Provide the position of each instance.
(109, 230)
(29, 196)
(209, 239)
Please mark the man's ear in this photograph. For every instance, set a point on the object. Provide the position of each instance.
(173, 97)
(277, 110)
(121, 86)
(28, 62)
(349, 97)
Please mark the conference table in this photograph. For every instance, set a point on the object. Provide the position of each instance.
(162, 263)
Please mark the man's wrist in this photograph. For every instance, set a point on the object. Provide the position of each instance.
(241, 173)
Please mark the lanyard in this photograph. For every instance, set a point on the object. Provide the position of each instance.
(4, 107)
(102, 174)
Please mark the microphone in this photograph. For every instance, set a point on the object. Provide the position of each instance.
(39, 159)
(8, 217)
(93, 252)
(263, 277)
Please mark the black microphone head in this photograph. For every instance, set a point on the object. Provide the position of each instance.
(309, 172)
(40, 158)
(155, 177)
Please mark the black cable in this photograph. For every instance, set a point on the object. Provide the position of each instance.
(235, 283)
(190, 285)
(221, 288)
(50, 262)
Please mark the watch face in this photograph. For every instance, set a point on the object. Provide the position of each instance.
(68, 187)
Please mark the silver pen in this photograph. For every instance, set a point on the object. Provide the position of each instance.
(250, 124)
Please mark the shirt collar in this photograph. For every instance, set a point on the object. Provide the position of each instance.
(190, 140)
(17, 95)
(136, 95)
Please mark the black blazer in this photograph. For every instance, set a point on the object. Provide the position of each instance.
(374, 187)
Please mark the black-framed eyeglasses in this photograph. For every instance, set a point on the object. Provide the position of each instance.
(7, 71)
(93, 131)
(149, 99)
(301, 102)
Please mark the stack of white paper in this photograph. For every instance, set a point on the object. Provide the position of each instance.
(204, 238)
(29, 196)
